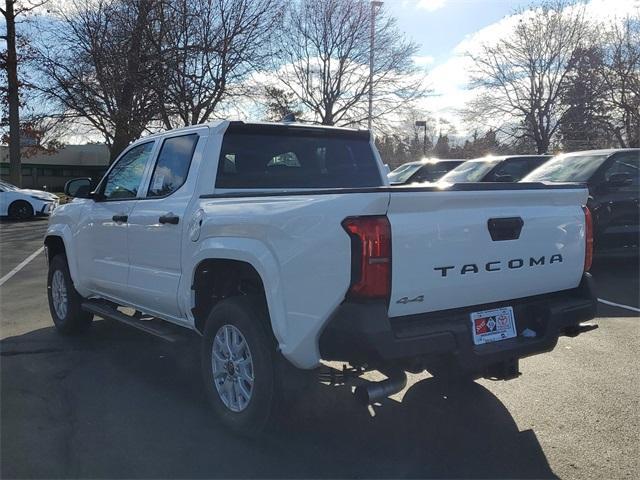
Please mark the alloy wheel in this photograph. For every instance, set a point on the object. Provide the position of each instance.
(232, 364)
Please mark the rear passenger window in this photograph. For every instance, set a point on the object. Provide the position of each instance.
(625, 163)
(513, 169)
(296, 159)
(172, 165)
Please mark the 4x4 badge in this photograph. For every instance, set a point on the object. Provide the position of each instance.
(405, 300)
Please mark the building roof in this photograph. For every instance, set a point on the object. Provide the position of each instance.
(89, 155)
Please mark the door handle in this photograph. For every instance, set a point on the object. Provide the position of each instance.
(169, 218)
(120, 218)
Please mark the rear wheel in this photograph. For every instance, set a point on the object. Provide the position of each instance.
(239, 365)
(64, 301)
(20, 210)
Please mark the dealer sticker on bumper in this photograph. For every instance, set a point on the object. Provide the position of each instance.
(493, 325)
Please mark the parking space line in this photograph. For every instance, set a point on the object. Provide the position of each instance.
(21, 266)
(619, 305)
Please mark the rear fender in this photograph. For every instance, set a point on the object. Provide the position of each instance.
(260, 257)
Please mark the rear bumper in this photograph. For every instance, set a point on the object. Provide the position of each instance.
(363, 333)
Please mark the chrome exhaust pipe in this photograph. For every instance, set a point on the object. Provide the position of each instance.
(395, 382)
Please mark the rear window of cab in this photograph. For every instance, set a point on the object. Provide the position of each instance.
(280, 157)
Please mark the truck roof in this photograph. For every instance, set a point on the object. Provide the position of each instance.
(603, 151)
(433, 160)
(490, 158)
(218, 123)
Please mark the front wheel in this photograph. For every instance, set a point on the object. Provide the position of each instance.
(20, 210)
(239, 360)
(64, 301)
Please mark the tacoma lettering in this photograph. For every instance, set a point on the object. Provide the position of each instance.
(497, 265)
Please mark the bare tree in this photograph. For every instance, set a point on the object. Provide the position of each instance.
(587, 120)
(322, 58)
(404, 141)
(100, 65)
(519, 77)
(11, 94)
(620, 71)
(208, 49)
(280, 103)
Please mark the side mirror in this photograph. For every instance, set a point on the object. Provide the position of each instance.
(78, 188)
(619, 179)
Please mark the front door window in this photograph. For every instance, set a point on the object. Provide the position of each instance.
(125, 178)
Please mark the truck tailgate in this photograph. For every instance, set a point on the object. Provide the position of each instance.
(454, 248)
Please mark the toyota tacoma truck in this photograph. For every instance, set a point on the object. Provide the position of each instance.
(283, 244)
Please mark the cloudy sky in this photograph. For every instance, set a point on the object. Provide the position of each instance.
(445, 29)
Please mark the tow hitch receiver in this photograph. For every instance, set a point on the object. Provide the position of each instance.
(507, 370)
(576, 330)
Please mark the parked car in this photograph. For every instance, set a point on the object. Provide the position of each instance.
(495, 169)
(278, 243)
(613, 178)
(23, 203)
(426, 170)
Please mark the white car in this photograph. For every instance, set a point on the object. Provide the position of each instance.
(23, 203)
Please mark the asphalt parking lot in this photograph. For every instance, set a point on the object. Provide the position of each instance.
(115, 403)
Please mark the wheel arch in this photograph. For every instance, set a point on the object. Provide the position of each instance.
(235, 266)
(58, 239)
(216, 279)
(54, 245)
(21, 200)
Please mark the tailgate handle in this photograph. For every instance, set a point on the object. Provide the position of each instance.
(505, 228)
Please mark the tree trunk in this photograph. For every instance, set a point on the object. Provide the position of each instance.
(121, 139)
(542, 144)
(15, 175)
(327, 118)
(618, 133)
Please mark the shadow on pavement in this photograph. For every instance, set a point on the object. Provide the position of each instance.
(116, 403)
(7, 220)
(617, 280)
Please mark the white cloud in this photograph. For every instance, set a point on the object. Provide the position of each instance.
(610, 9)
(430, 5)
(423, 60)
(449, 80)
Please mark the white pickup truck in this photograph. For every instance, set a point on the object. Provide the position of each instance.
(285, 242)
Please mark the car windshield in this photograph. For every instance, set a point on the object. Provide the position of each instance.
(403, 172)
(8, 186)
(473, 171)
(567, 168)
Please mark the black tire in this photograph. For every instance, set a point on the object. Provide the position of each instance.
(250, 318)
(75, 319)
(20, 210)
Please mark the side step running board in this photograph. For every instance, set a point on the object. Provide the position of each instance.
(151, 325)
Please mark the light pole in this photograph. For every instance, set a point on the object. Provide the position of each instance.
(423, 123)
(375, 5)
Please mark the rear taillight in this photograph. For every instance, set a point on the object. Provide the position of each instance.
(370, 256)
(588, 239)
